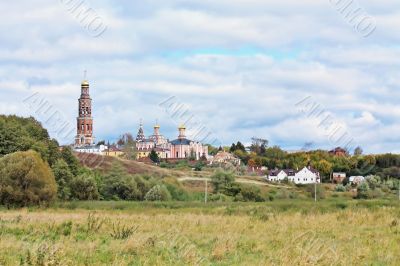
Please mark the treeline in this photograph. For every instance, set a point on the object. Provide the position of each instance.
(259, 154)
(34, 170)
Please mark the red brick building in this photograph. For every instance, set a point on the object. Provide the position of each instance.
(84, 135)
(338, 152)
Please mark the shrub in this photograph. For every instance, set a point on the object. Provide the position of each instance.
(219, 197)
(340, 188)
(251, 193)
(117, 185)
(143, 185)
(221, 180)
(83, 187)
(177, 193)
(25, 179)
(362, 190)
(158, 193)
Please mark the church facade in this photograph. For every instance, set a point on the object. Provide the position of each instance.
(180, 148)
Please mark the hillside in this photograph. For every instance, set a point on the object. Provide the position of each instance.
(104, 163)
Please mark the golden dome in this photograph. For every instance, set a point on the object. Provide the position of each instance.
(85, 82)
(157, 126)
(182, 126)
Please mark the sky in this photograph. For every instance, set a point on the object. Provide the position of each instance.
(302, 74)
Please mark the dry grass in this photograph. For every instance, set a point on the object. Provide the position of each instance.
(104, 163)
(79, 237)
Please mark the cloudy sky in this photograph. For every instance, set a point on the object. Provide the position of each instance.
(293, 72)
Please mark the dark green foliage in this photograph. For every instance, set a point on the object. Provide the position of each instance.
(154, 157)
(73, 163)
(25, 179)
(63, 176)
(117, 185)
(23, 134)
(249, 193)
(199, 166)
(363, 190)
(222, 180)
(84, 187)
(177, 193)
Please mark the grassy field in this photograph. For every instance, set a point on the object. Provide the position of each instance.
(301, 232)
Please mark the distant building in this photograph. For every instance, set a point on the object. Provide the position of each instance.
(340, 152)
(180, 148)
(307, 175)
(280, 175)
(113, 152)
(223, 157)
(156, 142)
(356, 179)
(338, 178)
(100, 149)
(84, 135)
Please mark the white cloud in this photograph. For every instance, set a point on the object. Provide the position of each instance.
(240, 65)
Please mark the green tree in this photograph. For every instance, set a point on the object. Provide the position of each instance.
(25, 179)
(83, 187)
(154, 157)
(63, 177)
(358, 151)
(222, 180)
(73, 163)
(117, 185)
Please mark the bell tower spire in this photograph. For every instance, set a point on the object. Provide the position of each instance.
(84, 134)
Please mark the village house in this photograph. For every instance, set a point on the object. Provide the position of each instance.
(356, 180)
(338, 178)
(307, 175)
(223, 157)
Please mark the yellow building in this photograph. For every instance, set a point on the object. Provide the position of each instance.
(113, 152)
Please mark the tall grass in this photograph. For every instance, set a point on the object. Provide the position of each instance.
(332, 232)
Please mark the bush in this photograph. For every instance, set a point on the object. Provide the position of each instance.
(219, 198)
(250, 193)
(177, 193)
(340, 188)
(222, 180)
(83, 187)
(25, 179)
(362, 191)
(117, 185)
(158, 193)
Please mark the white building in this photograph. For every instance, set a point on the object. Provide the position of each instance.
(356, 179)
(93, 149)
(307, 175)
(280, 175)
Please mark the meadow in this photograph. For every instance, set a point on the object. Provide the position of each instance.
(283, 232)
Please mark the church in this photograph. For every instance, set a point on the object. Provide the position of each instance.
(180, 148)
